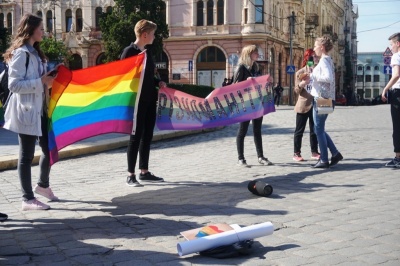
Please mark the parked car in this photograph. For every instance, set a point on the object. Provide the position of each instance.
(341, 99)
(377, 100)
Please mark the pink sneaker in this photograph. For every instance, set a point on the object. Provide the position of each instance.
(34, 205)
(315, 156)
(45, 192)
(297, 157)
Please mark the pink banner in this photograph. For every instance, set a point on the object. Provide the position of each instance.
(235, 103)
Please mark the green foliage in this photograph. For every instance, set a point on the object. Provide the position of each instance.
(118, 27)
(5, 39)
(195, 90)
(55, 50)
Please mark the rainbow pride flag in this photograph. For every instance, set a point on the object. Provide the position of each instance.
(94, 101)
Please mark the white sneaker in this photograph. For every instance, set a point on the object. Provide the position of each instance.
(34, 205)
(45, 192)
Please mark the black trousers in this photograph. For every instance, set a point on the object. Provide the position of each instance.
(395, 111)
(277, 99)
(244, 126)
(301, 122)
(27, 145)
(140, 141)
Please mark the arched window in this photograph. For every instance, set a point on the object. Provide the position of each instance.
(49, 21)
(101, 59)
(9, 22)
(79, 20)
(376, 68)
(220, 12)
(1, 21)
(200, 17)
(68, 20)
(75, 62)
(98, 12)
(211, 54)
(210, 12)
(109, 10)
(368, 68)
(359, 68)
(39, 14)
(259, 7)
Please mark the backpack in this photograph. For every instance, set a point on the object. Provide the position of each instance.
(4, 90)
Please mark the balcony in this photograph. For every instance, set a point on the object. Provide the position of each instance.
(354, 35)
(312, 19)
(327, 29)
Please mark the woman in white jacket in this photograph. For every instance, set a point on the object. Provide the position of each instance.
(26, 113)
(323, 85)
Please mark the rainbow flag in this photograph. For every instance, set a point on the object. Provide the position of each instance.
(94, 101)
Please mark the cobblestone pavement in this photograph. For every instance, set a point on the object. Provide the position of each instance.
(347, 215)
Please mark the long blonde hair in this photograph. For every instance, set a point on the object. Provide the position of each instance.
(27, 26)
(245, 57)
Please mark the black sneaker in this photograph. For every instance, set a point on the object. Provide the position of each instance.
(132, 182)
(394, 163)
(3, 216)
(149, 177)
(335, 159)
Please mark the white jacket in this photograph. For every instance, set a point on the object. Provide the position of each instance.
(24, 110)
(323, 79)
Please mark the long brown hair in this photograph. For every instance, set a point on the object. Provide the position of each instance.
(28, 24)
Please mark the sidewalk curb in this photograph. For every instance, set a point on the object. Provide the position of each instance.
(10, 161)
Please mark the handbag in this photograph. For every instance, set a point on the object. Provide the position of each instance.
(324, 106)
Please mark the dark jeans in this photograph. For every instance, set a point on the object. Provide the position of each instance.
(244, 126)
(277, 99)
(395, 111)
(301, 122)
(141, 140)
(27, 145)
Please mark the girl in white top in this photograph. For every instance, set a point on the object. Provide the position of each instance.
(323, 85)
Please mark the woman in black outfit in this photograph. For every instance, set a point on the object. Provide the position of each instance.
(142, 134)
(247, 69)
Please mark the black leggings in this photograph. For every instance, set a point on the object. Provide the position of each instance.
(395, 111)
(301, 122)
(27, 145)
(140, 141)
(257, 123)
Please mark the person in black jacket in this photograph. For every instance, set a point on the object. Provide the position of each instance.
(142, 132)
(247, 69)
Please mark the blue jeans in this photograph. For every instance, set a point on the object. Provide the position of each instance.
(324, 140)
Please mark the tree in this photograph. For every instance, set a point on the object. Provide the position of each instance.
(4, 40)
(118, 27)
(55, 50)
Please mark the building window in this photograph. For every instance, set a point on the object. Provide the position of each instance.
(367, 93)
(376, 93)
(163, 12)
(359, 68)
(376, 68)
(211, 54)
(75, 62)
(210, 12)
(376, 78)
(9, 22)
(360, 78)
(368, 68)
(367, 78)
(246, 16)
(98, 14)
(68, 20)
(200, 18)
(259, 7)
(220, 12)
(109, 10)
(39, 14)
(101, 59)
(49, 21)
(79, 20)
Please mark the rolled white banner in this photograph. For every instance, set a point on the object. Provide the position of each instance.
(225, 238)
